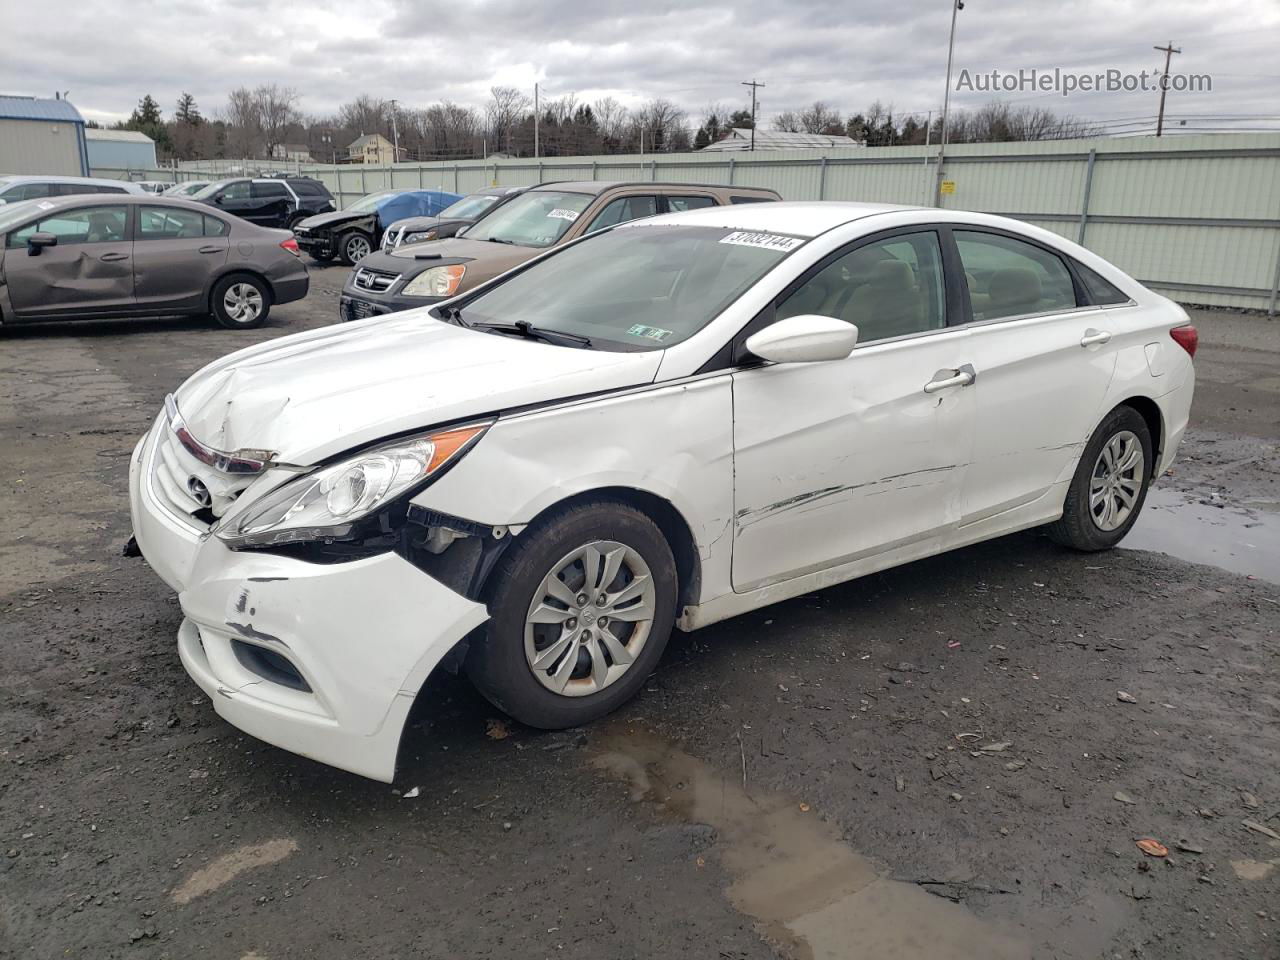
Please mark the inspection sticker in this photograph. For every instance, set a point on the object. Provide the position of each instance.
(648, 333)
(767, 241)
(561, 214)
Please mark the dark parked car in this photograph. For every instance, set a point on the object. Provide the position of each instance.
(541, 217)
(449, 221)
(269, 201)
(353, 233)
(96, 256)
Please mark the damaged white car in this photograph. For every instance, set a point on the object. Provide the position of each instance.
(667, 423)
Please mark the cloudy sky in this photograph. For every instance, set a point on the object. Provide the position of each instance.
(844, 52)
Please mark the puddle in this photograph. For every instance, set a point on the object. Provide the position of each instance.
(1242, 538)
(810, 892)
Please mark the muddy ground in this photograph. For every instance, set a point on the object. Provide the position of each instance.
(933, 762)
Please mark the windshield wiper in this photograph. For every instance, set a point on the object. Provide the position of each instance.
(523, 328)
(453, 315)
(500, 240)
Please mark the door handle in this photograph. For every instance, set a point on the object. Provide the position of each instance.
(963, 376)
(113, 257)
(210, 249)
(1093, 337)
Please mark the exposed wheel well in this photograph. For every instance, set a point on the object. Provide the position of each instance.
(1147, 409)
(239, 273)
(669, 520)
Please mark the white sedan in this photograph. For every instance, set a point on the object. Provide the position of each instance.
(668, 423)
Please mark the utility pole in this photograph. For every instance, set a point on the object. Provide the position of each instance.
(1168, 51)
(753, 85)
(535, 120)
(395, 132)
(956, 7)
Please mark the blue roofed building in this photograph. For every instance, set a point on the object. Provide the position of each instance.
(42, 136)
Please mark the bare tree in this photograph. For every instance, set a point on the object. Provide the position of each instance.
(819, 118)
(505, 110)
(787, 122)
(364, 114)
(664, 126)
(277, 110)
(612, 121)
(244, 129)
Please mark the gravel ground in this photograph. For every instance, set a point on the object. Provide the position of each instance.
(951, 759)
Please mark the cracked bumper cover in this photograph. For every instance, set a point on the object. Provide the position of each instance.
(364, 635)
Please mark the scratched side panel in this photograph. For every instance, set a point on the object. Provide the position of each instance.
(674, 441)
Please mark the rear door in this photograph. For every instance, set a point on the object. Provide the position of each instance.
(176, 252)
(1044, 363)
(271, 203)
(90, 268)
(622, 209)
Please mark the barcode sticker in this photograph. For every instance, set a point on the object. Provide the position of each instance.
(766, 241)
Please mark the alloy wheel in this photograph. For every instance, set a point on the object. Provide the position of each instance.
(589, 618)
(1116, 481)
(357, 248)
(243, 302)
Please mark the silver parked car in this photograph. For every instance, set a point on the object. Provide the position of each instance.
(97, 256)
(17, 188)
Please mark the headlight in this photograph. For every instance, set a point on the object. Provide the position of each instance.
(436, 282)
(419, 237)
(327, 504)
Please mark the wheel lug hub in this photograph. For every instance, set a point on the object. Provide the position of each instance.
(582, 599)
(602, 600)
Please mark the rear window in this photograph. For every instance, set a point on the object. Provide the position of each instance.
(268, 188)
(308, 188)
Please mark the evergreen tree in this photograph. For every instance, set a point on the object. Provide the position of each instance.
(187, 111)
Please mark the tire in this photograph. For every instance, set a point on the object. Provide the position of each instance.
(1101, 526)
(245, 289)
(296, 219)
(353, 246)
(325, 259)
(597, 678)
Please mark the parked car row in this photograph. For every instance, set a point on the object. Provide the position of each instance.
(351, 234)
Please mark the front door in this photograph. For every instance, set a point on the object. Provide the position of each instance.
(175, 255)
(1045, 365)
(839, 461)
(89, 269)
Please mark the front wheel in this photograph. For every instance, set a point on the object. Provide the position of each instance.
(241, 302)
(354, 247)
(1109, 486)
(582, 608)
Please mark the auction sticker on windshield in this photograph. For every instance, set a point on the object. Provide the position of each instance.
(767, 241)
(561, 214)
(648, 333)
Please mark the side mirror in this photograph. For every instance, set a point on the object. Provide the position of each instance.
(220, 199)
(38, 241)
(808, 338)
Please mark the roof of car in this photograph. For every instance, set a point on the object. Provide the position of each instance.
(54, 178)
(797, 217)
(150, 199)
(600, 186)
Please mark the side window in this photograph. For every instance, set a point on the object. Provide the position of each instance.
(266, 189)
(213, 227)
(1009, 278)
(889, 288)
(1101, 290)
(235, 191)
(33, 191)
(622, 210)
(307, 188)
(88, 225)
(676, 204)
(171, 223)
(741, 199)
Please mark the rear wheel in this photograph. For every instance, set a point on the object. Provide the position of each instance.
(354, 247)
(582, 608)
(1109, 486)
(241, 301)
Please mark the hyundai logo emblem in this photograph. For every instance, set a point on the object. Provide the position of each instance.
(199, 492)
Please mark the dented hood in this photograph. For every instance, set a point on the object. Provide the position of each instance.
(308, 396)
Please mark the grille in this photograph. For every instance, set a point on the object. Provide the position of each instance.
(375, 281)
(171, 479)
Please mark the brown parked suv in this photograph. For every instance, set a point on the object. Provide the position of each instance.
(546, 216)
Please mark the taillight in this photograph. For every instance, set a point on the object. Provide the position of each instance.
(1187, 338)
(292, 246)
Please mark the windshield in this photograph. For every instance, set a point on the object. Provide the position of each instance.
(535, 219)
(372, 201)
(636, 288)
(469, 208)
(12, 213)
(206, 192)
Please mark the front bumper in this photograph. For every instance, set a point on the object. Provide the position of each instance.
(357, 304)
(363, 636)
(321, 246)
